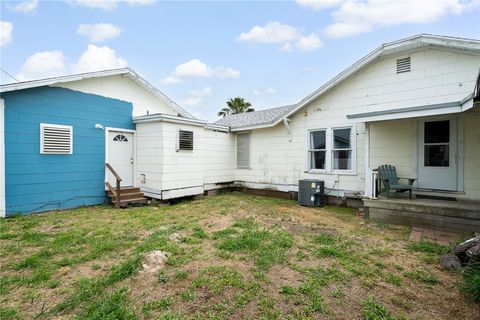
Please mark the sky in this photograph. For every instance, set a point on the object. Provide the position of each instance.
(201, 54)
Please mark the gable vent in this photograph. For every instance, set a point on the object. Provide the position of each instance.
(185, 140)
(56, 139)
(403, 65)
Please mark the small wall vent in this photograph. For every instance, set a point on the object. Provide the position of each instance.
(56, 139)
(185, 140)
(403, 65)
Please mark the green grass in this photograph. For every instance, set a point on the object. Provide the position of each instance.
(422, 276)
(394, 279)
(427, 247)
(267, 264)
(471, 285)
(372, 310)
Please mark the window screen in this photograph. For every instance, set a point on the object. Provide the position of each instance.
(243, 150)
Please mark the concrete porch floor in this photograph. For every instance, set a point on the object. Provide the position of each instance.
(427, 213)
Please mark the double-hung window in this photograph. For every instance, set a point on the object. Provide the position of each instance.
(342, 149)
(318, 149)
(331, 150)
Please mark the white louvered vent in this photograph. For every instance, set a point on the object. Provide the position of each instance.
(243, 150)
(56, 139)
(403, 65)
(185, 140)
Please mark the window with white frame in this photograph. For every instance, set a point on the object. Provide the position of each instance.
(342, 149)
(318, 149)
(56, 139)
(243, 150)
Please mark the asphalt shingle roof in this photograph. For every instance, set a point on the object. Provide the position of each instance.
(255, 118)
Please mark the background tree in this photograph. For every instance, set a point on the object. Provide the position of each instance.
(236, 105)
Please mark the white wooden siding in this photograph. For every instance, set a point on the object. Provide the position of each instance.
(170, 173)
(472, 154)
(436, 77)
(122, 88)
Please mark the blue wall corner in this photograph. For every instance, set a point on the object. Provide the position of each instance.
(38, 182)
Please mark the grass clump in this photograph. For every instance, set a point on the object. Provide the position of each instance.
(427, 247)
(393, 279)
(471, 276)
(422, 276)
(372, 310)
(112, 306)
(162, 305)
(266, 247)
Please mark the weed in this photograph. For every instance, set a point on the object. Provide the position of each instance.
(188, 295)
(393, 279)
(422, 276)
(471, 286)
(162, 304)
(162, 277)
(287, 290)
(428, 247)
(199, 233)
(111, 306)
(372, 310)
(181, 275)
(336, 293)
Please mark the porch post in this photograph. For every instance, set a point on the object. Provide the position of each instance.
(369, 182)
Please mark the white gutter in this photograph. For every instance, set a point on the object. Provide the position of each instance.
(173, 119)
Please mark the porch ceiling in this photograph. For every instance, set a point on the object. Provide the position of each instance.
(413, 112)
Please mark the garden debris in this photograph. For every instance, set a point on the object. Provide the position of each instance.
(465, 253)
(175, 237)
(153, 261)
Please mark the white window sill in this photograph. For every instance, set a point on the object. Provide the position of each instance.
(244, 168)
(341, 173)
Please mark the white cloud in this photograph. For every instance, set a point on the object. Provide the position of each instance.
(141, 2)
(319, 4)
(273, 32)
(355, 17)
(266, 92)
(25, 6)
(6, 30)
(195, 98)
(309, 43)
(195, 68)
(109, 5)
(43, 65)
(278, 33)
(99, 32)
(98, 58)
(53, 63)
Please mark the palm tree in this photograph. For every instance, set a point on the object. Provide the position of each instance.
(236, 105)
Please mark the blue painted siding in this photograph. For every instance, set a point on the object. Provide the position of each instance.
(38, 182)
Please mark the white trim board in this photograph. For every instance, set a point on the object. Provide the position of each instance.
(3, 212)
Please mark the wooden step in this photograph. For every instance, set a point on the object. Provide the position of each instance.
(125, 190)
(127, 196)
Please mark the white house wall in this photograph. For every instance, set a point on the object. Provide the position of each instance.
(122, 88)
(472, 154)
(437, 76)
(149, 144)
(218, 150)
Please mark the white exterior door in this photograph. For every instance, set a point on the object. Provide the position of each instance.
(120, 157)
(437, 168)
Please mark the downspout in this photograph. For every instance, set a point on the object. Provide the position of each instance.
(287, 125)
(369, 181)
